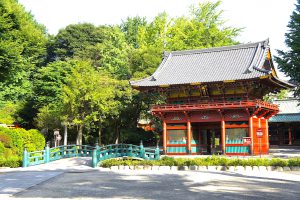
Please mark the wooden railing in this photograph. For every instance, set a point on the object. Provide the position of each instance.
(214, 105)
(97, 153)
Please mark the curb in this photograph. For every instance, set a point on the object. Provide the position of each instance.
(207, 168)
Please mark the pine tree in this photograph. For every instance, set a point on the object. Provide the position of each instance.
(289, 61)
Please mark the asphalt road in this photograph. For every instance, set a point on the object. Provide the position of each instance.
(161, 185)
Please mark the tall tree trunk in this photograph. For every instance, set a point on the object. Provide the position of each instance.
(66, 135)
(117, 133)
(79, 135)
(100, 134)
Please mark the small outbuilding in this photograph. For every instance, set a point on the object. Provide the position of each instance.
(284, 128)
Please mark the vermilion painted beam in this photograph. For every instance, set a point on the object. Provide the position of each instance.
(164, 136)
(189, 133)
(223, 131)
(251, 133)
(267, 134)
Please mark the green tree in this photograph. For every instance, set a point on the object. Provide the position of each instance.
(204, 28)
(289, 60)
(73, 39)
(7, 113)
(22, 49)
(104, 46)
(131, 27)
(90, 96)
(49, 81)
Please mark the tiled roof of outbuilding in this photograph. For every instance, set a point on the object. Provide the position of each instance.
(285, 118)
(289, 111)
(289, 106)
(210, 65)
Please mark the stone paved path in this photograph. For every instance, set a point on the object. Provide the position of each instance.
(187, 185)
(14, 182)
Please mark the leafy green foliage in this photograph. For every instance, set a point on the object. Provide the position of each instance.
(22, 48)
(203, 29)
(131, 27)
(8, 112)
(294, 162)
(12, 143)
(49, 81)
(208, 161)
(13, 162)
(19, 138)
(288, 61)
(104, 46)
(91, 95)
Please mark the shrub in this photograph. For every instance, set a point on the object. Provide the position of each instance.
(293, 162)
(20, 138)
(5, 139)
(167, 161)
(17, 140)
(209, 161)
(2, 149)
(37, 139)
(278, 162)
(11, 162)
(12, 142)
(235, 162)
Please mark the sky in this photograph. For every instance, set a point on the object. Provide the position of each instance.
(260, 19)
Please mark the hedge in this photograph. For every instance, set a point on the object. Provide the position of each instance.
(10, 162)
(13, 141)
(208, 161)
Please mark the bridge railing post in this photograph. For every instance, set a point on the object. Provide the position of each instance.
(47, 153)
(110, 152)
(62, 151)
(94, 158)
(142, 150)
(130, 151)
(94, 155)
(157, 155)
(25, 157)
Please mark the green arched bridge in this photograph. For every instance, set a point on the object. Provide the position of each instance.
(98, 153)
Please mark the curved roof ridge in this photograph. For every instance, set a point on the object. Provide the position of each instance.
(214, 49)
(155, 74)
(161, 66)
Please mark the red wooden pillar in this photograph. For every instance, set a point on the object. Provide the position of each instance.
(165, 137)
(223, 141)
(267, 136)
(189, 134)
(251, 134)
(290, 136)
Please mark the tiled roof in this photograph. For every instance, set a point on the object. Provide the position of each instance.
(289, 111)
(289, 106)
(210, 65)
(285, 118)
